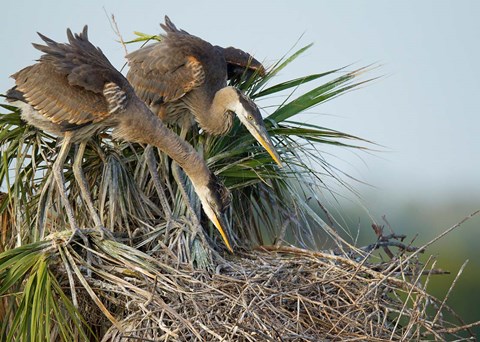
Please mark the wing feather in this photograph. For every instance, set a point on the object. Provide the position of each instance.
(67, 83)
(52, 96)
(164, 72)
(84, 64)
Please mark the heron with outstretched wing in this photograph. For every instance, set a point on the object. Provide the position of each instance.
(73, 91)
(183, 79)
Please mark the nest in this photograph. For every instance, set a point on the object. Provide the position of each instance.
(269, 294)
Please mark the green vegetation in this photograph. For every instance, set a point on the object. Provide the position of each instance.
(49, 288)
(269, 204)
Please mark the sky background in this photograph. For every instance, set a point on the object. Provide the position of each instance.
(424, 111)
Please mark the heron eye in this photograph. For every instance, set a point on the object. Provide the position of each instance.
(250, 117)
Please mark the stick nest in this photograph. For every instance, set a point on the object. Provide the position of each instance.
(269, 294)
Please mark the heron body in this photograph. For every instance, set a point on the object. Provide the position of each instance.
(74, 92)
(183, 79)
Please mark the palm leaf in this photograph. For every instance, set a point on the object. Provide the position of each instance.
(36, 299)
(269, 205)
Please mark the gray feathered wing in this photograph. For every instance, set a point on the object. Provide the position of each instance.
(67, 84)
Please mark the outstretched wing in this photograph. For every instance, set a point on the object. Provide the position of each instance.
(84, 64)
(50, 93)
(67, 84)
(165, 71)
(238, 61)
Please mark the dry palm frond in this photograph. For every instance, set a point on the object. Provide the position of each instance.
(271, 294)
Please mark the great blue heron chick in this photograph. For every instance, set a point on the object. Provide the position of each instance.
(75, 92)
(183, 75)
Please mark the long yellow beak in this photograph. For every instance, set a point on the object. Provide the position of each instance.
(264, 139)
(224, 235)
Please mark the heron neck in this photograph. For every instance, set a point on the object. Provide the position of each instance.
(145, 127)
(211, 113)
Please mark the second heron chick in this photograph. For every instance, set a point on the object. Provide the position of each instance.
(73, 91)
(183, 75)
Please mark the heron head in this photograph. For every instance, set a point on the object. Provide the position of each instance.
(215, 199)
(249, 115)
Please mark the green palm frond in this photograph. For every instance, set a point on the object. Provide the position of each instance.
(36, 306)
(269, 205)
(143, 37)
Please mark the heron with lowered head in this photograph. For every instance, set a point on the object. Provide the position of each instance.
(183, 79)
(73, 91)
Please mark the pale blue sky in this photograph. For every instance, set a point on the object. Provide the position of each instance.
(425, 111)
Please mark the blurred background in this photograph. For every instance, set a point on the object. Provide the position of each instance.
(423, 112)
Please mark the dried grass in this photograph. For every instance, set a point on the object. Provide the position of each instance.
(273, 293)
(269, 294)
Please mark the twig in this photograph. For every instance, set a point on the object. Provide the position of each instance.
(455, 226)
(116, 30)
(449, 291)
(152, 293)
(210, 331)
(453, 330)
(452, 228)
(384, 244)
(384, 241)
